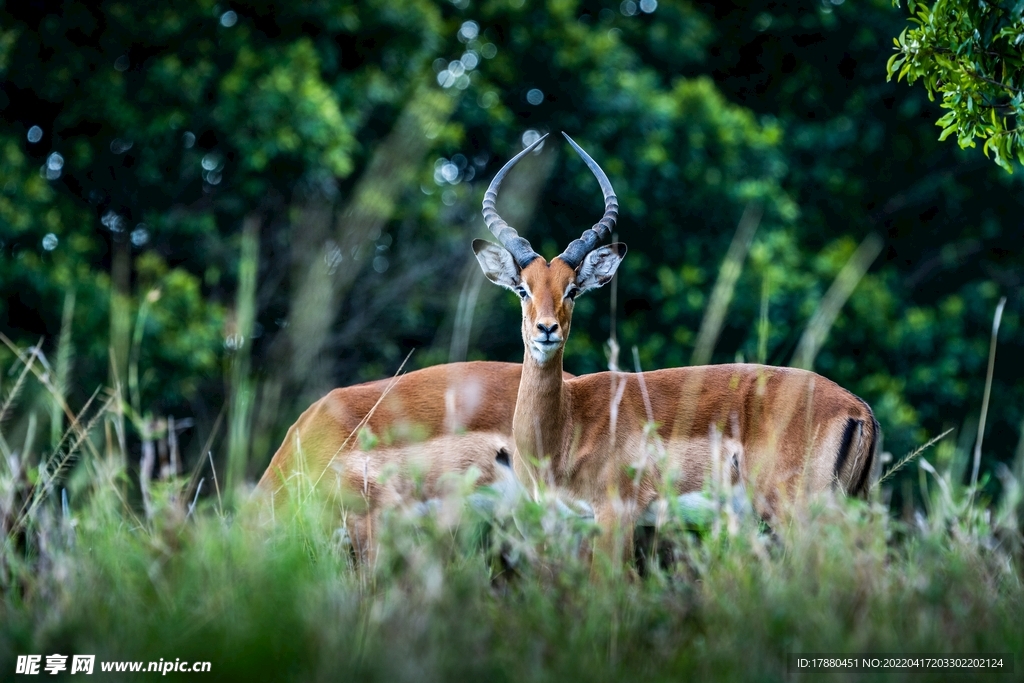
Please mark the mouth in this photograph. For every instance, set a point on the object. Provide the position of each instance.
(547, 344)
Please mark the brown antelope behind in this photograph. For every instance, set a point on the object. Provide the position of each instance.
(783, 432)
(429, 425)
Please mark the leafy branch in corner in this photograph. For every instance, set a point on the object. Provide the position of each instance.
(969, 54)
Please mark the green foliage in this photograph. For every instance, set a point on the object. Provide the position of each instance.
(179, 328)
(276, 105)
(969, 54)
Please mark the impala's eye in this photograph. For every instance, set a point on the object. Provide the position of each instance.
(521, 291)
(571, 293)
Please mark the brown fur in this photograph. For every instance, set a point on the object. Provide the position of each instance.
(780, 429)
(431, 424)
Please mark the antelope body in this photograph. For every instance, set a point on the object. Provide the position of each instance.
(376, 445)
(783, 432)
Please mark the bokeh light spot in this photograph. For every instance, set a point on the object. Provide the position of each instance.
(446, 79)
(468, 31)
(49, 172)
(140, 235)
(113, 222)
(531, 136)
(211, 162)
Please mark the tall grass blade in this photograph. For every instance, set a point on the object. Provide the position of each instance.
(988, 391)
(65, 355)
(464, 316)
(134, 397)
(27, 360)
(30, 435)
(725, 285)
(910, 456)
(50, 473)
(45, 378)
(117, 417)
(763, 327)
(120, 313)
(835, 298)
(613, 309)
(216, 484)
(195, 498)
(1018, 460)
(242, 386)
(207, 446)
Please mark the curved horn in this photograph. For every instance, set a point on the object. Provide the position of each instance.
(520, 249)
(578, 249)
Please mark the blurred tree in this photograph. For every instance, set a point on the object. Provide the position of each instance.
(969, 54)
(158, 130)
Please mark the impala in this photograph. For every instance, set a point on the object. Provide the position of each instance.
(376, 445)
(782, 432)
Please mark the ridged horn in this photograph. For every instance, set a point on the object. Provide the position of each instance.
(578, 249)
(520, 249)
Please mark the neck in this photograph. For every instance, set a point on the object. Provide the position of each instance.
(538, 424)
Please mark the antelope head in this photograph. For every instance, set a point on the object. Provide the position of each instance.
(548, 289)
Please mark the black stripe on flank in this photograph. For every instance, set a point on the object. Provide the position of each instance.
(862, 481)
(844, 445)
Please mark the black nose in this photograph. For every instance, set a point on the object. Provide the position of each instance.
(547, 329)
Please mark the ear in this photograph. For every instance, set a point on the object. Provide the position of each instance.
(599, 266)
(497, 264)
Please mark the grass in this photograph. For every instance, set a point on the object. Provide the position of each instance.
(459, 594)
